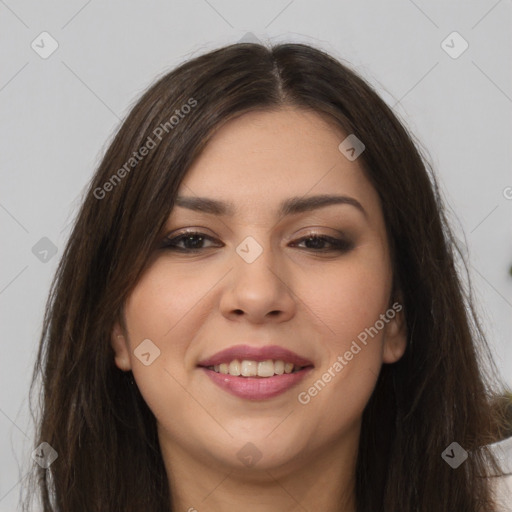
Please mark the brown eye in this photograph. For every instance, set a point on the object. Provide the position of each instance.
(191, 240)
(317, 243)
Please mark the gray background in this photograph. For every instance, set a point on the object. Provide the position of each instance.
(59, 113)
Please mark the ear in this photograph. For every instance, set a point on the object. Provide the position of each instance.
(121, 348)
(395, 334)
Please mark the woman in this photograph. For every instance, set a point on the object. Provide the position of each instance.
(258, 307)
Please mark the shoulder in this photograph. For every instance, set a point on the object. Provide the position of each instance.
(503, 490)
(503, 484)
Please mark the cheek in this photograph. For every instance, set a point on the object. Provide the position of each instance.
(350, 296)
(160, 309)
(349, 300)
(338, 398)
(159, 306)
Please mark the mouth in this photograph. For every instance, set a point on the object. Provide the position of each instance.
(256, 373)
(260, 369)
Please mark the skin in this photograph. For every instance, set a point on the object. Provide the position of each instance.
(312, 302)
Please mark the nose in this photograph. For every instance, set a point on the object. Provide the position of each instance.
(260, 291)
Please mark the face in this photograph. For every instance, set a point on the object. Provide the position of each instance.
(310, 286)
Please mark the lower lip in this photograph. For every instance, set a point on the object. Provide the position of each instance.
(257, 388)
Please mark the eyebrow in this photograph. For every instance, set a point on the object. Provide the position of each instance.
(290, 206)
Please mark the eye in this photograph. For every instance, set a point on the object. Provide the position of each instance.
(317, 243)
(192, 241)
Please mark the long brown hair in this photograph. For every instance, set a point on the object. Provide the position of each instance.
(93, 415)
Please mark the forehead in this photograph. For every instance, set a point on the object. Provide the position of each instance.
(262, 158)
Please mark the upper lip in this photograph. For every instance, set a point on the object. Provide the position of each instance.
(249, 353)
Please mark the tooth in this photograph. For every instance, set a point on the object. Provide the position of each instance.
(266, 368)
(279, 367)
(288, 367)
(234, 367)
(249, 368)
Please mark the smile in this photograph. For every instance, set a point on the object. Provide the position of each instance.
(263, 369)
(257, 388)
(256, 372)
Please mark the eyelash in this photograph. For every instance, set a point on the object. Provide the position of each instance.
(339, 245)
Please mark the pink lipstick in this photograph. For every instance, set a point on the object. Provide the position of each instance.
(256, 373)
